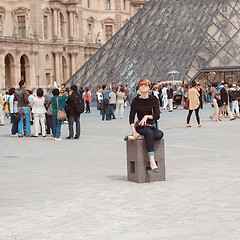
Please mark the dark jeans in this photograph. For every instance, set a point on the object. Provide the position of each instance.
(87, 107)
(14, 129)
(57, 124)
(71, 120)
(190, 114)
(111, 111)
(105, 111)
(49, 123)
(150, 134)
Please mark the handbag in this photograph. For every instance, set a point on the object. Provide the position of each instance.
(99, 105)
(61, 114)
(17, 116)
(186, 105)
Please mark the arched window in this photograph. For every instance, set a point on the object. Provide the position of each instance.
(107, 5)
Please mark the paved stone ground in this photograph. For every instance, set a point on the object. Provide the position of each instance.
(78, 190)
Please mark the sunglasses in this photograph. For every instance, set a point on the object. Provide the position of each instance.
(143, 85)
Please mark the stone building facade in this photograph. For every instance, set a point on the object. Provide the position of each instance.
(49, 40)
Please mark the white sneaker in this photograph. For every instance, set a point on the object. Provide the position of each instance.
(57, 139)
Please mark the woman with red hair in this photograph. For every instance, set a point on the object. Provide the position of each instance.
(147, 109)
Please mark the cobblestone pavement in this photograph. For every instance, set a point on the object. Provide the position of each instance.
(78, 189)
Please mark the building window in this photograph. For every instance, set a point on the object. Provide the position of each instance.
(21, 26)
(45, 25)
(108, 32)
(88, 4)
(107, 4)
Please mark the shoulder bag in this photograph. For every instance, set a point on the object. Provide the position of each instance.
(61, 114)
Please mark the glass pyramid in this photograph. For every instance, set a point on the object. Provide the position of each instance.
(165, 35)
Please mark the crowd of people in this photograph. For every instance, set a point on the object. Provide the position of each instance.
(42, 111)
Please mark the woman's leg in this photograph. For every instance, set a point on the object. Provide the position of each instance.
(36, 124)
(149, 136)
(43, 124)
(158, 134)
(54, 125)
(58, 128)
(189, 116)
(197, 115)
(117, 109)
(216, 113)
(121, 110)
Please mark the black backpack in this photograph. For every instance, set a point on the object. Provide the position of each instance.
(79, 104)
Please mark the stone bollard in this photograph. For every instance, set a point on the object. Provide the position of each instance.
(138, 161)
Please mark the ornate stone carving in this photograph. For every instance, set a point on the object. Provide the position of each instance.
(30, 30)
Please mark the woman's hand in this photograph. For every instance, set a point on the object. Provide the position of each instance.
(143, 122)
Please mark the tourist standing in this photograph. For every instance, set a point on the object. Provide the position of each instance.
(39, 110)
(1, 110)
(49, 117)
(120, 101)
(21, 96)
(215, 97)
(105, 94)
(127, 99)
(87, 98)
(112, 104)
(73, 113)
(194, 103)
(13, 109)
(58, 102)
(225, 101)
(170, 95)
(99, 100)
(164, 97)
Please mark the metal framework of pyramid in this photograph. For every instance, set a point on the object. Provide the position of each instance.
(165, 35)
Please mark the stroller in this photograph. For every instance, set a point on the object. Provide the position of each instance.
(177, 100)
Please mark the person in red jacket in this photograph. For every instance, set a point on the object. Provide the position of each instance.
(87, 99)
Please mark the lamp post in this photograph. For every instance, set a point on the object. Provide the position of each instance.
(38, 80)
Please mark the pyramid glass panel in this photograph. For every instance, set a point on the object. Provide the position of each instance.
(184, 35)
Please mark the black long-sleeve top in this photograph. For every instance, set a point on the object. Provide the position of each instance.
(142, 107)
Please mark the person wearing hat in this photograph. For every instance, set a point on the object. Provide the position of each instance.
(225, 101)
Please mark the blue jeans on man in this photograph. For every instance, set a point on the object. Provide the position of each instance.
(57, 124)
(71, 120)
(111, 111)
(14, 129)
(26, 114)
(49, 123)
(105, 111)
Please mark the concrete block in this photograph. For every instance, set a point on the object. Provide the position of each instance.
(138, 169)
